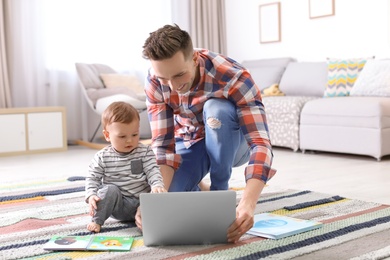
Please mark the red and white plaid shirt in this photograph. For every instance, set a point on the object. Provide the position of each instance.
(173, 115)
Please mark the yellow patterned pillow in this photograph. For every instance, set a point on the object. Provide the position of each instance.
(342, 74)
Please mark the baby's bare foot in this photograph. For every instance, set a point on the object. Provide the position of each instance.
(93, 227)
(204, 186)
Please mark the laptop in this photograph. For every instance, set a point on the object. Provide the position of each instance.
(187, 218)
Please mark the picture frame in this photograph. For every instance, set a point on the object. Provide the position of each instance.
(321, 8)
(270, 22)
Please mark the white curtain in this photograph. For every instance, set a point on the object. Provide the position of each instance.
(26, 53)
(208, 25)
(47, 38)
(5, 90)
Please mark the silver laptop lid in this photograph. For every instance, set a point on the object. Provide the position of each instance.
(178, 218)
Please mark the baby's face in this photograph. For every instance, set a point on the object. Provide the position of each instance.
(123, 137)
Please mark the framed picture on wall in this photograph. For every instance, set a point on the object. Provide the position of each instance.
(269, 15)
(321, 8)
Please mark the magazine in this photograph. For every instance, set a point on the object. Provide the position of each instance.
(96, 242)
(277, 226)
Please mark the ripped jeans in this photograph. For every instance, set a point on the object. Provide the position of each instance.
(223, 147)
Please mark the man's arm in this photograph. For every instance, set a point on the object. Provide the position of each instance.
(167, 174)
(253, 122)
(245, 210)
(163, 128)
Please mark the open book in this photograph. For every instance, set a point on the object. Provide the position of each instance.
(277, 226)
(96, 242)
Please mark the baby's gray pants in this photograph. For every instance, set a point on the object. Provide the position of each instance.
(113, 204)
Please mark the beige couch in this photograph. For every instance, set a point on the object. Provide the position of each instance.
(304, 119)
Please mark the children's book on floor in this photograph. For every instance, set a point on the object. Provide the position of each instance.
(95, 242)
(277, 226)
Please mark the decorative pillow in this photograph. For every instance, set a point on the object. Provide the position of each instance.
(374, 80)
(342, 74)
(273, 90)
(96, 94)
(113, 80)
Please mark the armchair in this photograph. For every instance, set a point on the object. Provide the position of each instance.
(101, 85)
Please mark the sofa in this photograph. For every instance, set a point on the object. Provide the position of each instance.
(337, 105)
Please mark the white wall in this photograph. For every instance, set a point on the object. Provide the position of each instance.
(359, 28)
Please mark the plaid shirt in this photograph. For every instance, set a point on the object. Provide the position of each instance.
(173, 115)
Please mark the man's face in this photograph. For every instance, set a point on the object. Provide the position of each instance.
(177, 72)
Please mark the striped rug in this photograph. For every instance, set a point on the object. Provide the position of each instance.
(30, 213)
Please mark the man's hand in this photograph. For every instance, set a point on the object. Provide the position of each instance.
(243, 222)
(92, 202)
(245, 210)
(138, 220)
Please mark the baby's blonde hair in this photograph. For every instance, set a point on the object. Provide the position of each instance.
(120, 112)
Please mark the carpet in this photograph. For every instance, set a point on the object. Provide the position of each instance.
(30, 213)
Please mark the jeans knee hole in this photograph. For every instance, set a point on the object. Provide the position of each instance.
(213, 123)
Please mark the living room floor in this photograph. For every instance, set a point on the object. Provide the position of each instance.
(351, 176)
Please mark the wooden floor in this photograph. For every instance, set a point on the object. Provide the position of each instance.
(352, 176)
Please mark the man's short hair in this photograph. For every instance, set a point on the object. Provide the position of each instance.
(166, 42)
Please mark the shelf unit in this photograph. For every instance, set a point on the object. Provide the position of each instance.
(32, 130)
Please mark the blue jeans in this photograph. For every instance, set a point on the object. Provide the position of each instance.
(223, 147)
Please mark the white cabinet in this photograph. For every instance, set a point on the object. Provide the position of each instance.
(45, 130)
(12, 133)
(30, 130)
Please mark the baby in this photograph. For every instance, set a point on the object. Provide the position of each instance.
(121, 171)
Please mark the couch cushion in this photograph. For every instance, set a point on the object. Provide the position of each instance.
(102, 68)
(266, 72)
(283, 116)
(104, 102)
(360, 112)
(275, 62)
(113, 80)
(96, 94)
(304, 79)
(374, 79)
(342, 75)
(284, 109)
(265, 77)
(89, 74)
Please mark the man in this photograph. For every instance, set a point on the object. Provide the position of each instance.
(206, 116)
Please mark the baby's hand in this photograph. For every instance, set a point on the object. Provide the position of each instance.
(158, 189)
(92, 201)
